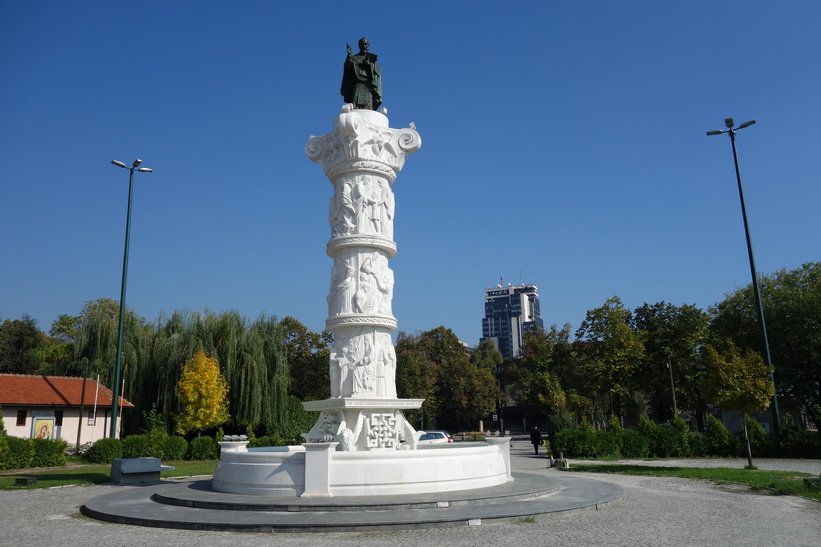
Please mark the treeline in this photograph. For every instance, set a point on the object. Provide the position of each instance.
(251, 354)
(619, 362)
(639, 363)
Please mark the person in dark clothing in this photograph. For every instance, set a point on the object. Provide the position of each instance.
(536, 438)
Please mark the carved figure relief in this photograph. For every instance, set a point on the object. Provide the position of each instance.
(340, 369)
(362, 205)
(343, 286)
(361, 282)
(383, 278)
(363, 364)
(388, 208)
(364, 376)
(341, 211)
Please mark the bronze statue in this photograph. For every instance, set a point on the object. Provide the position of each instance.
(362, 78)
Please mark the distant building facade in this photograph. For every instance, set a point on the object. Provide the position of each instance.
(509, 313)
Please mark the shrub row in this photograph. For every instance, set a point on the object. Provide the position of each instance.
(675, 440)
(166, 447)
(22, 453)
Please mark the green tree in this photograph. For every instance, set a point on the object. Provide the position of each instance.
(416, 377)
(252, 355)
(465, 392)
(203, 392)
(737, 380)
(792, 307)
(95, 342)
(487, 356)
(673, 335)
(21, 346)
(308, 355)
(533, 384)
(610, 353)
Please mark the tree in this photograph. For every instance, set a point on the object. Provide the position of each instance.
(737, 380)
(673, 336)
(416, 377)
(203, 392)
(487, 356)
(95, 339)
(252, 355)
(465, 393)
(792, 308)
(610, 352)
(21, 346)
(533, 384)
(435, 366)
(308, 359)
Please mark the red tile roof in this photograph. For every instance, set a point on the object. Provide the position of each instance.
(30, 390)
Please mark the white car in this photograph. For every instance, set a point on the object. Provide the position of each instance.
(434, 437)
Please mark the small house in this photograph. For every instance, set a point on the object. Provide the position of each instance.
(77, 410)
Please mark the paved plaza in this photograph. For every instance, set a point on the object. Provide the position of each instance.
(652, 511)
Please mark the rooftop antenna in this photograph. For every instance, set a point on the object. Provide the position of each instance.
(521, 277)
(501, 282)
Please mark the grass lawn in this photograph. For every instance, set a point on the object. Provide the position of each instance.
(782, 482)
(94, 474)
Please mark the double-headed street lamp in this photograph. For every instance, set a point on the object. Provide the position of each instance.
(119, 359)
(728, 122)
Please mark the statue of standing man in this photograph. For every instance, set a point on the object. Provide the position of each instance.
(362, 78)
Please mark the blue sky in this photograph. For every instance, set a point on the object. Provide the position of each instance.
(563, 144)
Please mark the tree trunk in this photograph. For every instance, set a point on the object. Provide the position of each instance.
(747, 441)
(814, 417)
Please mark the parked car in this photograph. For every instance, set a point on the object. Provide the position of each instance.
(435, 437)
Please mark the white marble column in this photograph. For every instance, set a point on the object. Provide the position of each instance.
(361, 157)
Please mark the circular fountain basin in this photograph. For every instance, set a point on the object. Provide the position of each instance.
(286, 470)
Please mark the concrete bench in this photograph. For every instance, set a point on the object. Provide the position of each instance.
(137, 470)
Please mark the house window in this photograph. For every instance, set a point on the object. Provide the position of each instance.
(21, 417)
(91, 420)
(58, 418)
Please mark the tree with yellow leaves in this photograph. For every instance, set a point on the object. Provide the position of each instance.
(203, 392)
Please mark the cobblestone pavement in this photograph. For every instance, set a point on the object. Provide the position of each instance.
(653, 511)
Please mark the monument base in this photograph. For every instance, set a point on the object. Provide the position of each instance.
(320, 470)
(363, 423)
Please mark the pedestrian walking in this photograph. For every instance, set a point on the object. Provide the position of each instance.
(536, 438)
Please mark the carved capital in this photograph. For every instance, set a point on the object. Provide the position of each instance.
(360, 141)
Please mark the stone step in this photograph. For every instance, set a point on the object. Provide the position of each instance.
(536, 494)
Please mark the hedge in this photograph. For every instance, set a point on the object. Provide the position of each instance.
(138, 446)
(49, 453)
(203, 448)
(4, 450)
(21, 453)
(104, 450)
(176, 448)
(675, 440)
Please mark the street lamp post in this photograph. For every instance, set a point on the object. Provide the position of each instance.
(119, 359)
(728, 122)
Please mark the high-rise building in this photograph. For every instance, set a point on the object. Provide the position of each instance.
(509, 313)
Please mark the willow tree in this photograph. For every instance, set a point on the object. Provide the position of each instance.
(251, 356)
(95, 343)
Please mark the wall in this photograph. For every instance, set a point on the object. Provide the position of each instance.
(68, 430)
